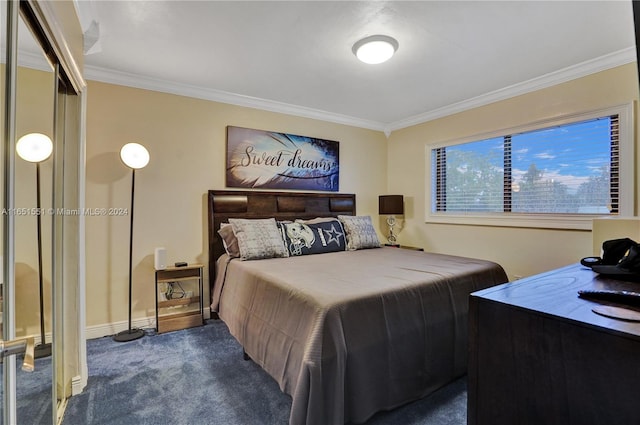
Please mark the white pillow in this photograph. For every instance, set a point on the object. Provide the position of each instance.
(360, 232)
(258, 238)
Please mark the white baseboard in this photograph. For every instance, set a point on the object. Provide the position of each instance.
(106, 329)
(98, 331)
(78, 384)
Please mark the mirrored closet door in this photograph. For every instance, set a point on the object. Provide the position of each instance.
(41, 167)
(27, 180)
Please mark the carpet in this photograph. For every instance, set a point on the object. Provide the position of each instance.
(197, 376)
(33, 392)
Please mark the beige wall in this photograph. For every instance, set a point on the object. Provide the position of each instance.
(186, 140)
(522, 252)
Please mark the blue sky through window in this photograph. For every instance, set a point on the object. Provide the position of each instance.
(567, 154)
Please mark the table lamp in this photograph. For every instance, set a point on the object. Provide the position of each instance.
(391, 205)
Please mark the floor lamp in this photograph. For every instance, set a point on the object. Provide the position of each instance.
(134, 156)
(37, 147)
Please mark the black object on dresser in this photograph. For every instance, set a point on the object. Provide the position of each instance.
(540, 355)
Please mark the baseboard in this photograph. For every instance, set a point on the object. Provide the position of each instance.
(78, 384)
(106, 329)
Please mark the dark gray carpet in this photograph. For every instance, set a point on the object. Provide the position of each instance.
(197, 377)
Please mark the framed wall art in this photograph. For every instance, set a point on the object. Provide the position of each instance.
(260, 159)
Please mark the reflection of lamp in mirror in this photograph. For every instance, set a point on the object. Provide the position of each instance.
(134, 156)
(37, 147)
(391, 205)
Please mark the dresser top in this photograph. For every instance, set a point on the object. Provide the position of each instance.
(555, 293)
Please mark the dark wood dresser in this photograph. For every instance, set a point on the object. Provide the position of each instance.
(539, 355)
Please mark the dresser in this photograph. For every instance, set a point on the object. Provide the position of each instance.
(539, 355)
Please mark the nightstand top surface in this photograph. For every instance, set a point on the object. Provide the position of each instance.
(188, 266)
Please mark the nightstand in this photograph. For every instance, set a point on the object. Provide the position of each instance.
(179, 303)
(413, 248)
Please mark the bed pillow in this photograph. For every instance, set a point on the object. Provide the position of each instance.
(229, 240)
(360, 232)
(313, 236)
(258, 238)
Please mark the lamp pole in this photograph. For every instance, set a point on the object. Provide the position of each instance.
(133, 185)
(43, 349)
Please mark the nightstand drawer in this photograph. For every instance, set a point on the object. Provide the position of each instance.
(179, 321)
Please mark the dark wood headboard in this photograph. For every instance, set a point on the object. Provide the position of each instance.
(225, 204)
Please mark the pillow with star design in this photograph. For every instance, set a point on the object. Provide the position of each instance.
(317, 236)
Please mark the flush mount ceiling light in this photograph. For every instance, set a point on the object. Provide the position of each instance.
(375, 49)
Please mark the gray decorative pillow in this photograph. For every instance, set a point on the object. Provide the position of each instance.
(258, 239)
(360, 232)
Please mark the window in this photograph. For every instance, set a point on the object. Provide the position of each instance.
(569, 169)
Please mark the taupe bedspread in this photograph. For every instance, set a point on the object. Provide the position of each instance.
(347, 334)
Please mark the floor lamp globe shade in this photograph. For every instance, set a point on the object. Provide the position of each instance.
(134, 155)
(34, 147)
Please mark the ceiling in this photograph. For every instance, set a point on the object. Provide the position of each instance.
(295, 56)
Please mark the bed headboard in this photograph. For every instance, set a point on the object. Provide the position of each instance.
(225, 204)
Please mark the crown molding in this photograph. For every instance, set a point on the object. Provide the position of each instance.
(573, 72)
(148, 83)
(612, 60)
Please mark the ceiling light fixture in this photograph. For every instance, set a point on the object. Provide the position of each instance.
(375, 49)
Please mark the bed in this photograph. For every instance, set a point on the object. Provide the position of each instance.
(347, 333)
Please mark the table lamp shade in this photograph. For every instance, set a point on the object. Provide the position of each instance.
(391, 205)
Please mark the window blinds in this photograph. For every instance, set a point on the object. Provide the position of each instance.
(567, 169)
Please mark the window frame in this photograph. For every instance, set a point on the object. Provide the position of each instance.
(543, 220)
